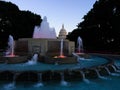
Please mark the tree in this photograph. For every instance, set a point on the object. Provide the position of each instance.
(100, 29)
(20, 24)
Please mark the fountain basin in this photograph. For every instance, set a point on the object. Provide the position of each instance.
(49, 75)
(84, 55)
(81, 70)
(58, 60)
(14, 60)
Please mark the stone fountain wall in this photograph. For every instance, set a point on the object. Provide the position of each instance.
(54, 48)
(50, 47)
(21, 47)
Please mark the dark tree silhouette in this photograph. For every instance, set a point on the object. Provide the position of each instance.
(18, 23)
(100, 29)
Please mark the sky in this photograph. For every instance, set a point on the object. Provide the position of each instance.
(58, 12)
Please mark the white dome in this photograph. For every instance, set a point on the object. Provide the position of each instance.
(62, 33)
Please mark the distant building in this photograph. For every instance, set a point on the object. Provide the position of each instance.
(62, 33)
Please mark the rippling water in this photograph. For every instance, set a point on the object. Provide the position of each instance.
(111, 82)
(94, 61)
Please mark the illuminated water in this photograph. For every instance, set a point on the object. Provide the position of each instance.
(110, 83)
(80, 45)
(10, 50)
(95, 61)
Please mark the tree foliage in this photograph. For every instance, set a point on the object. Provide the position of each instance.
(18, 23)
(100, 29)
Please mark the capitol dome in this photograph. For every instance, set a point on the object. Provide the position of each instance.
(62, 33)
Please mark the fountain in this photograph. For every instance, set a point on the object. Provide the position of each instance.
(84, 78)
(61, 59)
(79, 53)
(63, 82)
(61, 50)
(11, 85)
(10, 50)
(49, 71)
(33, 60)
(9, 56)
(115, 69)
(44, 31)
(99, 76)
(39, 84)
(113, 74)
(80, 45)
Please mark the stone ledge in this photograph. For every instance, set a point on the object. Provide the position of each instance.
(57, 60)
(14, 60)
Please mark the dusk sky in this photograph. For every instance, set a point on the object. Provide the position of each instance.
(58, 12)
